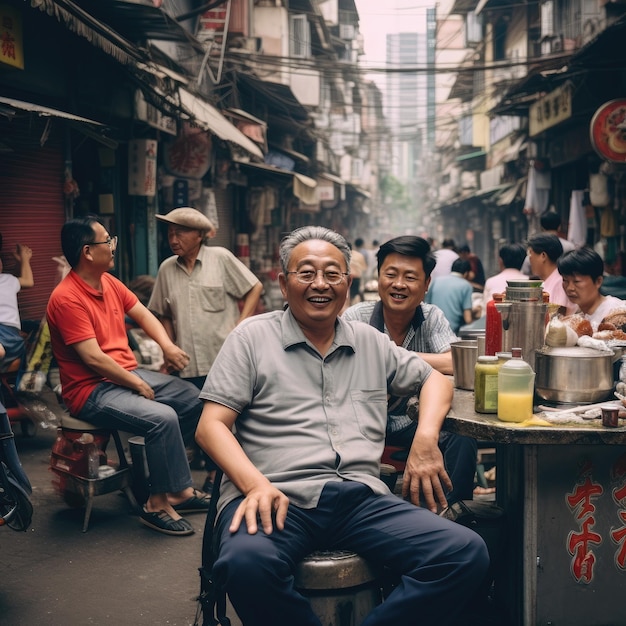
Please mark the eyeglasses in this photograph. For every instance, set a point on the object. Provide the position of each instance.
(111, 241)
(331, 277)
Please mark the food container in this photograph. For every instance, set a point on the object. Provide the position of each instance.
(573, 374)
(610, 415)
(486, 384)
(464, 356)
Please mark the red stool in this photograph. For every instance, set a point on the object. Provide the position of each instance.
(70, 462)
(396, 456)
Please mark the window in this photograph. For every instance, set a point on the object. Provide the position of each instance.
(299, 37)
(547, 19)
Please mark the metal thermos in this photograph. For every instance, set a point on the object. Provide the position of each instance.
(523, 315)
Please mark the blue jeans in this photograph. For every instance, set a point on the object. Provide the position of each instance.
(165, 422)
(439, 563)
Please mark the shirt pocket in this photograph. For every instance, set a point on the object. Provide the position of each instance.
(211, 299)
(370, 410)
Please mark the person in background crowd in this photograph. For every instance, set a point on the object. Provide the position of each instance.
(446, 256)
(358, 270)
(101, 383)
(543, 252)
(477, 272)
(582, 271)
(550, 222)
(453, 295)
(510, 258)
(11, 342)
(404, 267)
(370, 259)
(295, 413)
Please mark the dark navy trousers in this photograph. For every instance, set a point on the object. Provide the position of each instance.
(439, 563)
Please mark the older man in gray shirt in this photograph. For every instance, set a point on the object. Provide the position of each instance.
(307, 392)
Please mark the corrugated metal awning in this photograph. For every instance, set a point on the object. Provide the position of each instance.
(46, 111)
(209, 118)
(303, 186)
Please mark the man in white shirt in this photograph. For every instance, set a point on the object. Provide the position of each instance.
(445, 256)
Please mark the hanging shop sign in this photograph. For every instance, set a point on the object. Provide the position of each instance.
(189, 155)
(142, 167)
(552, 109)
(148, 113)
(11, 41)
(608, 131)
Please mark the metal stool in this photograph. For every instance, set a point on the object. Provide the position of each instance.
(342, 587)
(73, 485)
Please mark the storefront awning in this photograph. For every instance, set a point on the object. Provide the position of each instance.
(44, 111)
(358, 190)
(507, 196)
(333, 178)
(209, 118)
(471, 155)
(303, 186)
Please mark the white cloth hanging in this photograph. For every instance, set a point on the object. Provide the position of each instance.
(577, 227)
(537, 197)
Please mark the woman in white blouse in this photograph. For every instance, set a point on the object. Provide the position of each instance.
(582, 271)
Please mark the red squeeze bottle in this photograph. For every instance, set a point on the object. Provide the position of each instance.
(493, 326)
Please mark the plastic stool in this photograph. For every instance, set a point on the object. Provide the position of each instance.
(342, 586)
(88, 488)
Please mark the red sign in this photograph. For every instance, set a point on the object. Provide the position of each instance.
(608, 131)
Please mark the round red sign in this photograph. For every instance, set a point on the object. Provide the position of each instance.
(608, 131)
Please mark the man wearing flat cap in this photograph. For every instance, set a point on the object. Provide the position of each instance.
(197, 291)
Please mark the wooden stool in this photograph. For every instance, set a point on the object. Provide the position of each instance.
(72, 483)
(343, 587)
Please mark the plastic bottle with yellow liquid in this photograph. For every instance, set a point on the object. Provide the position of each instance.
(516, 385)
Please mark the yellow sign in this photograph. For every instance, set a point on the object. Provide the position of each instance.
(552, 109)
(11, 42)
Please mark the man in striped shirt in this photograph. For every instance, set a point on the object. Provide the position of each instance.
(404, 270)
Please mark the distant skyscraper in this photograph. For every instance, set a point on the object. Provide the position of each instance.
(406, 100)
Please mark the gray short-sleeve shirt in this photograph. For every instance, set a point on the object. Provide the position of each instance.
(305, 419)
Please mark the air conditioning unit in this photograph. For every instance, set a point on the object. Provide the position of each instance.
(557, 44)
(347, 32)
(253, 44)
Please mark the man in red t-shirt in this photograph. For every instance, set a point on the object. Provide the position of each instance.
(102, 383)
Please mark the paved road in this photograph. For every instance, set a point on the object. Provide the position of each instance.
(119, 572)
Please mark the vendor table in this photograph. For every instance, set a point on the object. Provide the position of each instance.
(563, 490)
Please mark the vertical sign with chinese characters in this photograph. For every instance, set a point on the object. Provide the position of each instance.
(11, 42)
(142, 167)
(552, 109)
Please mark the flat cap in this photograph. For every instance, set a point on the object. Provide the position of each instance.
(188, 217)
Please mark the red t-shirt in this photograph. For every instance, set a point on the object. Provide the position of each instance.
(77, 312)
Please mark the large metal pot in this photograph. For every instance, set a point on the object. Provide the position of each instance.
(575, 375)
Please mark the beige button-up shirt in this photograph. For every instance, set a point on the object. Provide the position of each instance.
(203, 304)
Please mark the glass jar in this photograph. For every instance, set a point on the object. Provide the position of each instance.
(486, 384)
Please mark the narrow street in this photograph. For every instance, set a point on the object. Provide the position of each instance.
(118, 572)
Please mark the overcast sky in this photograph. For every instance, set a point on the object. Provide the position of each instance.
(377, 18)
